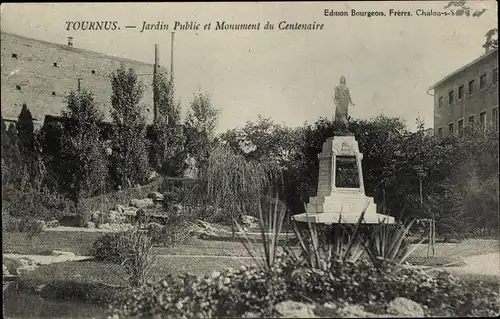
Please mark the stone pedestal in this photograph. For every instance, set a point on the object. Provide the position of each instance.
(341, 192)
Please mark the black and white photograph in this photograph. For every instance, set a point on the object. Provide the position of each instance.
(321, 159)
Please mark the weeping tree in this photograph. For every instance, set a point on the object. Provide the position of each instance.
(234, 185)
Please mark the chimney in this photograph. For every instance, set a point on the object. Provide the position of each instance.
(70, 41)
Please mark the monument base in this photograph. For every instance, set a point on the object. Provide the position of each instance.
(342, 206)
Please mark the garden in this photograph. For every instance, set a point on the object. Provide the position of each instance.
(161, 244)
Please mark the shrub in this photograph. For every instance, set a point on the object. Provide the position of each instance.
(9, 223)
(130, 249)
(31, 227)
(37, 204)
(233, 293)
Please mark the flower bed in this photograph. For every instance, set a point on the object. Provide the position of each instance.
(253, 290)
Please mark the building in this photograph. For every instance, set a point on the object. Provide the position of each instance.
(469, 95)
(41, 74)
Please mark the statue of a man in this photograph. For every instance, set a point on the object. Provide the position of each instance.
(342, 101)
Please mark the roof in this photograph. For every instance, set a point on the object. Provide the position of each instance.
(446, 78)
(72, 48)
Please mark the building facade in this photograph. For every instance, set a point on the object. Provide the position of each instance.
(468, 96)
(41, 74)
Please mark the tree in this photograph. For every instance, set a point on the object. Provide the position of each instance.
(167, 138)
(32, 169)
(130, 155)
(200, 126)
(82, 148)
(11, 162)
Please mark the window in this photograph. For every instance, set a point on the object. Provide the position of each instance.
(460, 92)
(450, 128)
(440, 102)
(55, 64)
(450, 97)
(53, 93)
(494, 75)
(482, 119)
(494, 118)
(14, 56)
(471, 87)
(93, 71)
(482, 82)
(440, 131)
(18, 87)
(460, 126)
(471, 120)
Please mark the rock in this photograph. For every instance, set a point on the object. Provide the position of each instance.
(115, 217)
(405, 308)
(154, 226)
(353, 311)
(90, 225)
(26, 265)
(120, 208)
(293, 309)
(156, 196)
(5, 271)
(63, 253)
(130, 211)
(252, 315)
(153, 176)
(94, 217)
(104, 226)
(142, 203)
(53, 224)
(249, 221)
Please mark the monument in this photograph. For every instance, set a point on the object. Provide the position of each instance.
(342, 100)
(341, 193)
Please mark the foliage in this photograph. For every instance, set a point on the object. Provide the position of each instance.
(234, 293)
(389, 243)
(36, 203)
(232, 183)
(199, 127)
(269, 236)
(31, 227)
(130, 249)
(11, 158)
(129, 157)
(25, 131)
(167, 146)
(83, 152)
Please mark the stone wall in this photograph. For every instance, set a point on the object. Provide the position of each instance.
(41, 74)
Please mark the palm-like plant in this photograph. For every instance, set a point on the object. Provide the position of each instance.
(388, 243)
(269, 235)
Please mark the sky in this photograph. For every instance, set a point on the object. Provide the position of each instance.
(389, 62)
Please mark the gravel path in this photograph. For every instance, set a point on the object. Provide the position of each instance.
(46, 260)
(487, 264)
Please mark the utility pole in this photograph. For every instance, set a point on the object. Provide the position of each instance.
(79, 84)
(172, 57)
(155, 74)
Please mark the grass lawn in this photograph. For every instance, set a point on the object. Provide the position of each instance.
(77, 242)
(92, 281)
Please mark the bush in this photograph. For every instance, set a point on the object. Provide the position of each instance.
(130, 249)
(9, 223)
(37, 204)
(31, 227)
(233, 293)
